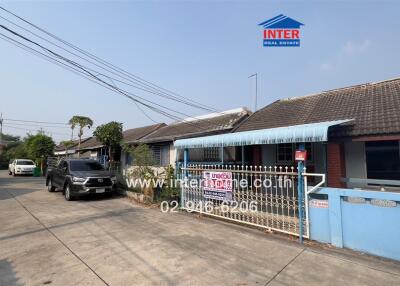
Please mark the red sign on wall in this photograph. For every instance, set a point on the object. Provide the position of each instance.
(301, 155)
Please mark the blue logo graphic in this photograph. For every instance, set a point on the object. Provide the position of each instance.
(281, 31)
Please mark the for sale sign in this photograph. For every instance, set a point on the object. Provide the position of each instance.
(217, 185)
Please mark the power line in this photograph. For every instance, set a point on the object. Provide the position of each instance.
(113, 67)
(33, 121)
(145, 85)
(37, 130)
(80, 69)
(58, 63)
(38, 125)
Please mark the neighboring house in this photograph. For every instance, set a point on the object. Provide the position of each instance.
(93, 149)
(132, 137)
(161, 141)
(352, 134)
(90, 148)
(62, 151)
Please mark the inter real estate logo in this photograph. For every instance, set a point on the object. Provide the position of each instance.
(281, 31)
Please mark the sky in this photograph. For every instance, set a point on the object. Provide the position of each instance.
(203, 50)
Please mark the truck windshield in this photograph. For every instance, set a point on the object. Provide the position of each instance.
(85, 166)
(24, 162)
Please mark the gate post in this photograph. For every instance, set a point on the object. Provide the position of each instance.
(300, 193)
(184, 173)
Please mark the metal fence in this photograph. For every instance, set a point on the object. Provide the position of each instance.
(257, 195)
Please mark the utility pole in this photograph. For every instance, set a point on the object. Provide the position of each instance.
(255, 99)
(1, 133)
(1, 128)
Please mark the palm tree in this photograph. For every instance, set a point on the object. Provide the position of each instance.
(72, 130)
(82, 122)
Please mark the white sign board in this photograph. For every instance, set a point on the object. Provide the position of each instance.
(217, 185)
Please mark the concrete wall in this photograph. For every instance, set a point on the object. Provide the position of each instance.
(366, 221)
(356, 166)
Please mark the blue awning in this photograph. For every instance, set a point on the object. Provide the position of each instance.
(313, 132)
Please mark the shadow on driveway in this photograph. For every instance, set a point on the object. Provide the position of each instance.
(7, 273)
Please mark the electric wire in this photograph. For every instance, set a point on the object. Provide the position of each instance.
(111, 68)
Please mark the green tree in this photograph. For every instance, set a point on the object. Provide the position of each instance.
(142, 156)
(82, 122)
(16, 150)
(110, 135)
(39, 147)
(143, 160)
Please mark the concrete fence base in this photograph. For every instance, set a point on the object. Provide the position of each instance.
(366, 221)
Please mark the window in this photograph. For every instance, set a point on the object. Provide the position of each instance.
(383, 160)
(160, 155)
(128, 159)
(285, 152)
(211, 154)
(25, 162)
(85, 165)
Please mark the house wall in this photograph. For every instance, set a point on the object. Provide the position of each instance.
(172, 155)
(336, 165)
(355, 162)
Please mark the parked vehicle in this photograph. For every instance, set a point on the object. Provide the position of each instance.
(79, 177)
(21, 167)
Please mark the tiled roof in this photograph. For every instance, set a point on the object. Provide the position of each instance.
(134, 134)
(375, 108)
(91, 143)
(61, 147)
(130, 135)
(203, 125)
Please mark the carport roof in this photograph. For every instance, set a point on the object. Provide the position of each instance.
(314, 132)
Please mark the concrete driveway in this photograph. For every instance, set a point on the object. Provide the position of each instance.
(45, 240)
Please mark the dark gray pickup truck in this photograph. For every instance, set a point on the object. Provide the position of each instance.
(79, 177)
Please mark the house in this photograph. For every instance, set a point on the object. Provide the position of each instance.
(132, 137)
(63, 151)
(351, 134)
(89, 148)
(93, 149)
(161, 140)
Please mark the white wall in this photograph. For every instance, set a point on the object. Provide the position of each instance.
(172, 155)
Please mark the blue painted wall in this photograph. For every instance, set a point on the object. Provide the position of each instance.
(319, 222)
(353, 221)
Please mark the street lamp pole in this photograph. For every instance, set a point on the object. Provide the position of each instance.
(255, 99)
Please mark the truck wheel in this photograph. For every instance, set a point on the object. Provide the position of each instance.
(67, 193)
(50, 186)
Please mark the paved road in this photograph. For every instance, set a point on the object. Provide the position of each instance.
(45, 240)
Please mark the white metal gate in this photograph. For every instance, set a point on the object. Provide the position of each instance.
(269, 199)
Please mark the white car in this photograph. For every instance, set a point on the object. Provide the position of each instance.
(21, 167)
